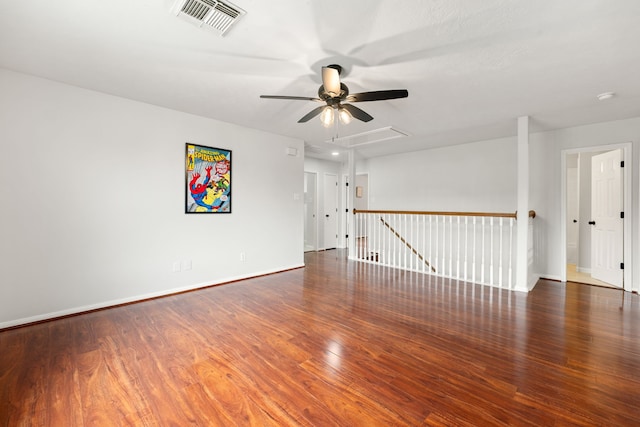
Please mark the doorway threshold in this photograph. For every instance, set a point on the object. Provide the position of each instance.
(573, 275)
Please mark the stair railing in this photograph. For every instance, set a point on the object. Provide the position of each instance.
(478, 247)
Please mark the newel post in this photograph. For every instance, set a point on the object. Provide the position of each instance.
(522, 232)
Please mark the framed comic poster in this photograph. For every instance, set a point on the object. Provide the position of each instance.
(208, 179)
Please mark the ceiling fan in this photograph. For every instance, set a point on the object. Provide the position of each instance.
(335, 95)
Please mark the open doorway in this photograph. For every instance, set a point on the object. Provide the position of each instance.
(596, 204)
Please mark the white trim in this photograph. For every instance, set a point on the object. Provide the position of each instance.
(138, 298)
(533, 279)
(551, 277)
(627, 157)
(522, 226)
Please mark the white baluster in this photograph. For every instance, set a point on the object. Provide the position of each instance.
(358, 221)
(395, 245)
(431, 257)
(491, 255)
(475, 251)
(450, 246)
(500, 261)
(458, 249)
(403, 233)
(423, 247)
(511, 221)
(482, 253)
(441, 245)
(466, 247)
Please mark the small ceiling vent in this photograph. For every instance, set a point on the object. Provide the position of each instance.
(212, 14)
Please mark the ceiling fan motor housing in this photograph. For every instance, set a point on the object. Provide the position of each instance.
(333, 100)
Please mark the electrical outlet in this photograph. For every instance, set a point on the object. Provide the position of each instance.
(243, 257)
(187, 265)
(176, 267)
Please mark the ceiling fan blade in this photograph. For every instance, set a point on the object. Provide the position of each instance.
(378, 95)
(331, 81)
(301, 98)
(311, 114)
(357, 112)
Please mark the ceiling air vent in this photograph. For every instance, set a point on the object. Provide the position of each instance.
(212, 14)
(370, 137)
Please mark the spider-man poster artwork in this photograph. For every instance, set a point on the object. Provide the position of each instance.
(208, 180)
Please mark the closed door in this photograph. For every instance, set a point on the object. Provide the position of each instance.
(330, 219)
(572, 215)
(310, 212)
(606, 218)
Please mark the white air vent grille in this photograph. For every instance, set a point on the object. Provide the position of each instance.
(370, 137)
(210, 13)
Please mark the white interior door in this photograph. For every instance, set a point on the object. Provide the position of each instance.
(330, 210)
(606, 221)
(347, 212)
(310, 212)
(573, 192)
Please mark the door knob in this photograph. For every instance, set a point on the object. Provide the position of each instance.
(592, 223)
(575, 220)
(327, 215)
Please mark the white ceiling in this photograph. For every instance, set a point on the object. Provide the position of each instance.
(471, 67)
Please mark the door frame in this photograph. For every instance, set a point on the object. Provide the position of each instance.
(315, 213)
(627, 176)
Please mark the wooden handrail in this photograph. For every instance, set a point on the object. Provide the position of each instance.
(532, 213)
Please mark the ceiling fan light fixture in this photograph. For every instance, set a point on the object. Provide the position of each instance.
(327, 116)
(344, 116)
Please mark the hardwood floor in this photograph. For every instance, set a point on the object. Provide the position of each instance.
(336, 343)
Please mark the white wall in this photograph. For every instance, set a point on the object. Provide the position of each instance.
(362, 203)
(92, 190)
(472, 177)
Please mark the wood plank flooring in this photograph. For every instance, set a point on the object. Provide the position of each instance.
(337, 343)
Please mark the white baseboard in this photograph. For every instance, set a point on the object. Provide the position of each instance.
(532, 281)
(550, 277)
(138, 298)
